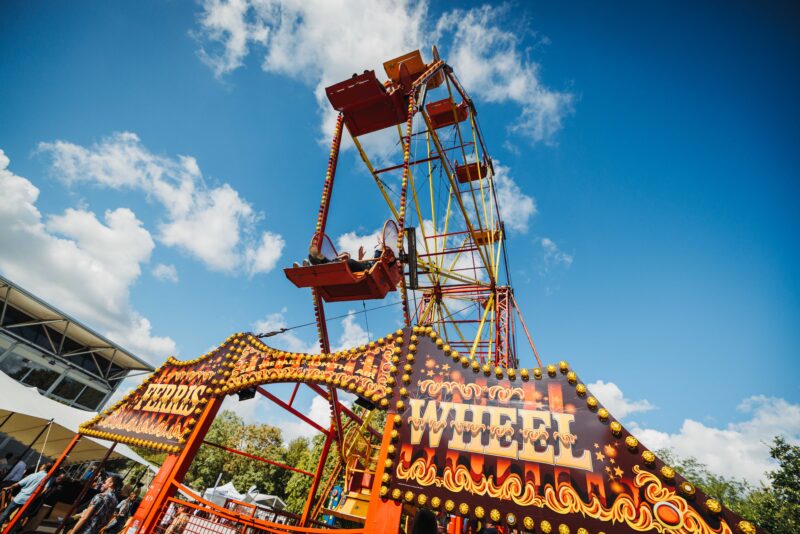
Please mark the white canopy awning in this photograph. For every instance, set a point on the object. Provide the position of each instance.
(30, 412)
(221, 493)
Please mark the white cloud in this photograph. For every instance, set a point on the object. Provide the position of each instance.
(739, 450)
(225, 23)
(320, 42)
(610, 396)
(319, 412)
(352, 334)
(286, 341)
(351, 241)
(516, 208)
(212, 224)
(251, 410)
(167, 273)
(554, 256)
(491, 64)
(263, 258)
(78, 262)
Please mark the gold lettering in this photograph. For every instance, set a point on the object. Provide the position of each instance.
(177, 405)
(429, 416)
(474, 429)
(495, 447)
(565, 456)
(528, 451)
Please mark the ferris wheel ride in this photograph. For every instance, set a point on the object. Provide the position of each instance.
(438, 184)
(445, 422)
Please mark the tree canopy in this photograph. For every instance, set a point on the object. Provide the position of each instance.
(774, 505)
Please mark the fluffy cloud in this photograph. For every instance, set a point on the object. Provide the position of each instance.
(212, 224)
(78, 262)
(225, 23)
(320, 42)
(315, 41)
(319, 412)
(610, 395)
(516, 208)
(738, 449)
(352, 334)
(265, 256)
(491, 62)
(351, 241)
(167, 273)
(553, 256)
(286, 341)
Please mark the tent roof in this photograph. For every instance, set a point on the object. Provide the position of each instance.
(29, 413)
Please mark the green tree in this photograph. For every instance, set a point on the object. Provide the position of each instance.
(296, 453)
(775, 507)
(298, 485)
(210, 461)
(729, 491)
(264, 441)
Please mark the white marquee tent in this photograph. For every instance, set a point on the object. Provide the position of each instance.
(24, 413)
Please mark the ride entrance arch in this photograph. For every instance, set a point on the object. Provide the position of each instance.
(527, 449)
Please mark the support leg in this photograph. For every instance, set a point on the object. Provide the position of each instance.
(40, 488)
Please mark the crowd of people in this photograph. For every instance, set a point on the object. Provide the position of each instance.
(105, 505)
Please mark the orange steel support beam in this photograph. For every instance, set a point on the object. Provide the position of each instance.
(347, 411)
(95, 473)
(383, 515)
(290, 409)
(56, 465)
(172, 471)
(259, 458)
(524, 327)
(317, 477)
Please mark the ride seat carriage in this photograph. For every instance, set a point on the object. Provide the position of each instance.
(445, 112)
(368, 105)
(470, 172)
(336, 282)
(406, 69)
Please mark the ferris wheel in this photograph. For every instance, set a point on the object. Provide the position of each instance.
(444, 246)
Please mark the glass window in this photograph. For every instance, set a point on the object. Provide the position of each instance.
(68, 389)
(41, 377)
(91, 398)
(33, 333)
(28, 372)
(15, 366)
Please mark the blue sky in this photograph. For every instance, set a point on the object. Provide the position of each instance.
(660, 259)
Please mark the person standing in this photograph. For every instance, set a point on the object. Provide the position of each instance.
(100, 509)
(27, 486)
(16, 473)
(123, 511)
(4, 467)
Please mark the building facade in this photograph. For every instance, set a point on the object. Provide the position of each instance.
(65, 360)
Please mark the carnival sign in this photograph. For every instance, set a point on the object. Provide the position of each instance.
(162, 412)
(527, 448)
